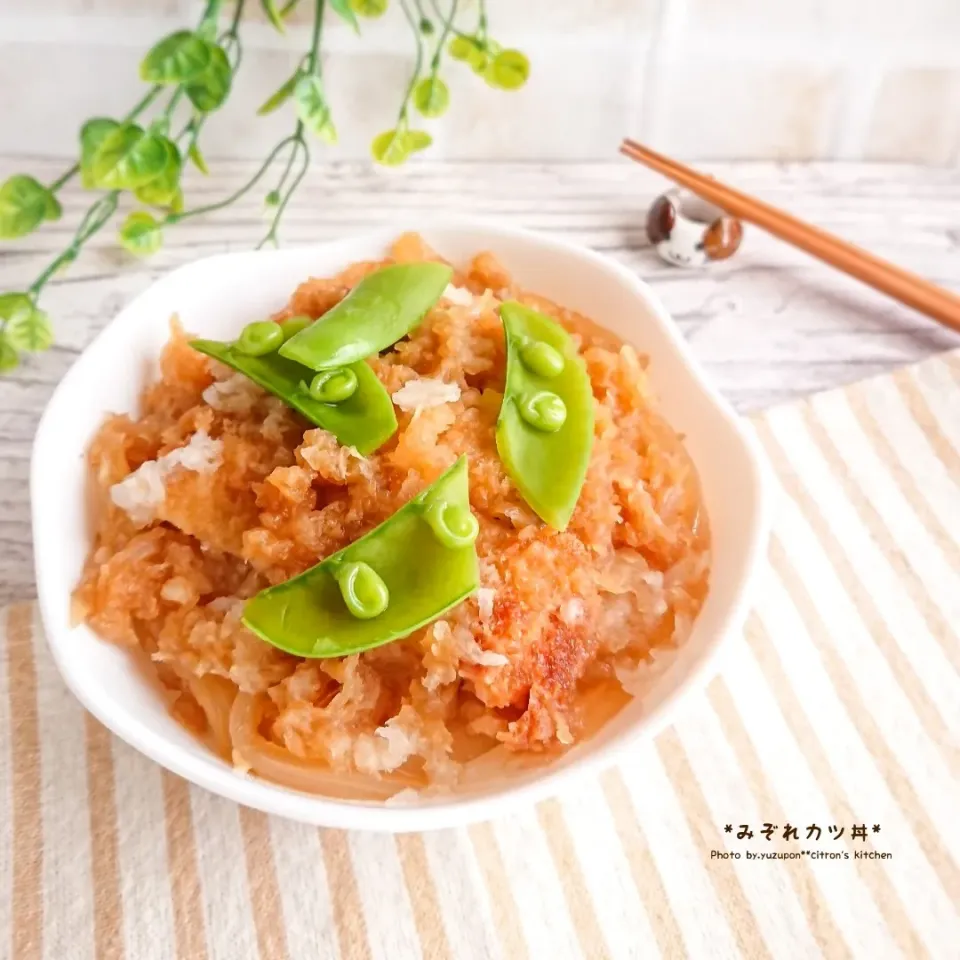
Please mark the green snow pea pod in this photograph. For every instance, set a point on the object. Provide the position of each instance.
(545, 427)
(401, 575)
(383, 307)
(363, 416)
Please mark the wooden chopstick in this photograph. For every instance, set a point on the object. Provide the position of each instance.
(936, 302)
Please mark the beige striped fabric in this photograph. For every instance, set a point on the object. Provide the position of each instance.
(838, 707)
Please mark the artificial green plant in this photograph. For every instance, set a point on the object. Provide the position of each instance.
(144, 153)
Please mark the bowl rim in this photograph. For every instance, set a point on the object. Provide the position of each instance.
(430, 812)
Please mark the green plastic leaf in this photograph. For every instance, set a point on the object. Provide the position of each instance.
(346, 12)
(312, 108)
(509, 70)
(389, 148)
(92, 134)
(273, 14)
(30, 330)
(9, 358)
(179, 58)
(369, 8)
(140, 234)
(431, 97)
(110, 162)
(164, 189)
(156, 193)
(53, 210)
(470, 50)
(212, 87)
(197, 159)
(393, 147)
(328, 132)
(416, 140)
(279, 96)
(288, 8)
(24, 203)
(459, 47)
(13, 305)
(128, 158)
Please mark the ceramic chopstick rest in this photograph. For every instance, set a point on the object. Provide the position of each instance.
(689, 232)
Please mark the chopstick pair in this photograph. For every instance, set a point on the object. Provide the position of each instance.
(936, 302)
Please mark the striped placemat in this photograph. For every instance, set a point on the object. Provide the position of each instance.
(835, 722)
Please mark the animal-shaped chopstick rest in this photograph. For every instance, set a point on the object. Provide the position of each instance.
(689, 232)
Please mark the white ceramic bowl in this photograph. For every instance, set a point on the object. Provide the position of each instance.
(214, 298)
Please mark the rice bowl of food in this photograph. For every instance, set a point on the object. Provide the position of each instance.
(393, 532)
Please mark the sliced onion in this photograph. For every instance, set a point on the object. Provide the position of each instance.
(215, 696)
(273, 762)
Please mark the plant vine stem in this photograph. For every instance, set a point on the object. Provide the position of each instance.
(415, 27)
(64, 178)
(145, 102)
(298, 142)
(314, 63)
(172, 102)
(482, 21)
(236, 195)
(447, 29)
(93, 221)
(237, 14)
(231, 36)
(300, 146)
(211, 11)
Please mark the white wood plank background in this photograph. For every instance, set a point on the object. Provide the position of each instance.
(768, 325)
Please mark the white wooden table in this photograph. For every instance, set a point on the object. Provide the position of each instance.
(768, 325)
